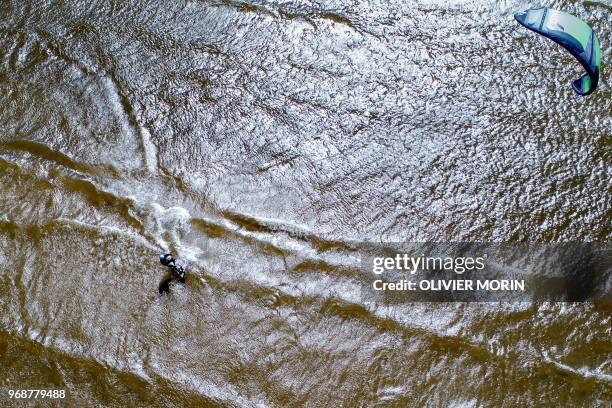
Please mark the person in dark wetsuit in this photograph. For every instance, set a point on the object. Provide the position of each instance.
(178, 273)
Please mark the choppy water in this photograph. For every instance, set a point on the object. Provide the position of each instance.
(257, 140)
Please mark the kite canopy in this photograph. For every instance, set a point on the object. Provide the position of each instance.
(572, 34)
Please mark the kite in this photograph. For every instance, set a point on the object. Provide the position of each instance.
(572, 34)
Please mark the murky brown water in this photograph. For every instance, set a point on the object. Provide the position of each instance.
(256, 140)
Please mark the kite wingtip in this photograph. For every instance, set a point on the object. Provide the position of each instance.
(521, 17)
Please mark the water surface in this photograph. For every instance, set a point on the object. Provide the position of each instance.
(257, 140)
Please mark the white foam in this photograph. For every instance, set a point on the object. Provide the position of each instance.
(150, 150)
(582, 371)
(174, 222)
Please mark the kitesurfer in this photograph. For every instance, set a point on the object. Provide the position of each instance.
(178, 273)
